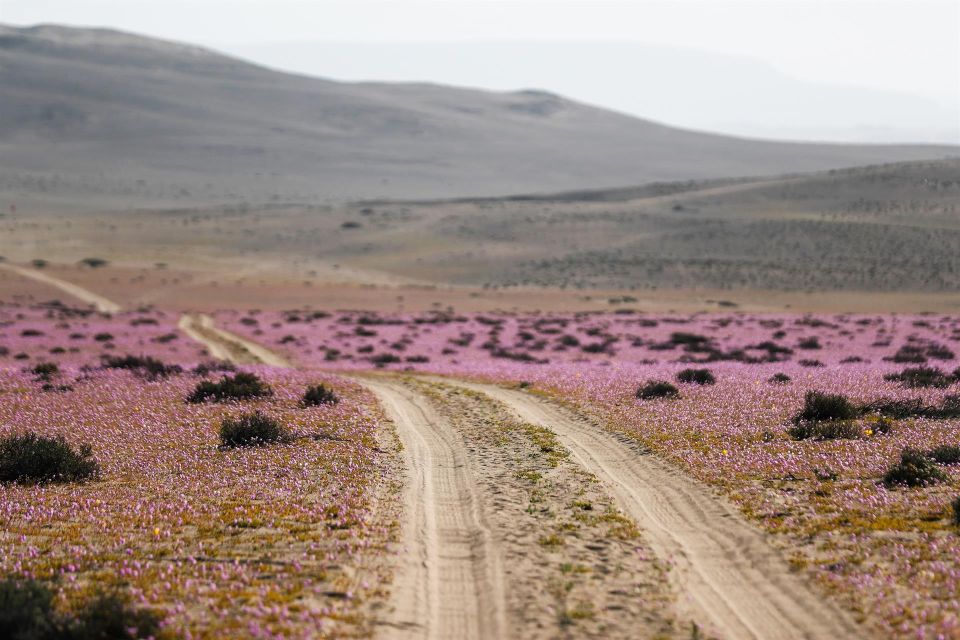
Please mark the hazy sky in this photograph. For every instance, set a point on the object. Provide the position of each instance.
(908, 50)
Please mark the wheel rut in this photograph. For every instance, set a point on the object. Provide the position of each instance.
(450, 581)
(727, 574)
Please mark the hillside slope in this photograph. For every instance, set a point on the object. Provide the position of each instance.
(100, 119)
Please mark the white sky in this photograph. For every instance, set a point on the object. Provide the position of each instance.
(907, 46)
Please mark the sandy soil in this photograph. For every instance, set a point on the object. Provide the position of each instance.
(224, 345)
(731, 577)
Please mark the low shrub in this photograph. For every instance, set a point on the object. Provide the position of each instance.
(779, 378)
(147, 366)
(27, 613)
(240, 386)
(45, 370)
(317, 395)
(831, 430)
(30, 458)
(251, 430)
(956, 510)
(945, 454)
(696, 376)
(914, 470)
(819, 407)
(103, 337)
(657, 389)
(809, 344)
(916, 377)
(210, 366)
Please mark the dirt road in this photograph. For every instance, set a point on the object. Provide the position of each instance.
(225, 345)
(100, 303)
(450, 581)
(727, 574)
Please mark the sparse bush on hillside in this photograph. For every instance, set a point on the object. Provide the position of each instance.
(696, 376)
(914, 470)
(45, 370)
(779, 378)
(210, 366)
(317, 395)
(251, 430)
(809, 343)
(240, 386)
(657, 389)
(830, 430)
(31, 458)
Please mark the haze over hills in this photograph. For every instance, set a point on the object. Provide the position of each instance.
(95, 119)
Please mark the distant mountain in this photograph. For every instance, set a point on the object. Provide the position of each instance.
(94, 118)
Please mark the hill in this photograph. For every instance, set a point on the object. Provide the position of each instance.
(96, 119)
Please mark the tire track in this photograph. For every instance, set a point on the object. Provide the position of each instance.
(450, 580)
(100, 303)
(224, 345)
(733, 580)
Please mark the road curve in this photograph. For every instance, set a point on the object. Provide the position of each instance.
(101, 304)
(224, 345)
(733, 581)
(449, 581)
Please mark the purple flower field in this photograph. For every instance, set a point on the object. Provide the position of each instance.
(888, 551)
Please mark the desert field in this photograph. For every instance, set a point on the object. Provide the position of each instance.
(296, 356)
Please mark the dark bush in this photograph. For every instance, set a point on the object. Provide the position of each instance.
(251, 430)
(956, 510)
(45, 370)
(681, 337)
(318, 394)
(94, 263)
(146, 366)
(696, 376)
(830, 430)
(818, 407)
(103, 337)
(914, 470)
(915, 377)
(657, 389)
(945, 454)
(30, 458)
(165, 338)
(809, 343)
(208, 367)
(240, 386)
(27, 613)
(779, 378)
(383, 359)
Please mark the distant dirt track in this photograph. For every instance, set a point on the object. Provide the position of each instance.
(733, 579)
(99, 302)
(225, 345)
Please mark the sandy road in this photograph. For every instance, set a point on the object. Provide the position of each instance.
(450, 580)
(730, 579)
(225, 345)
(100, 303)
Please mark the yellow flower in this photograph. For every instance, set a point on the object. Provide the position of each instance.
(868, 432)
(724, 452)
(156, 531)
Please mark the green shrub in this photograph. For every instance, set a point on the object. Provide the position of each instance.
(916, 377)
(27, 613)
(146, 366)
(945, 454)
(251, 430)
(696, 376)
(318, 394)
(103, 337)
(30, 458)
(819, 407)
(914, 470)
(779, 378)
(657, 389)
(240, 386)
(829, 430)
(45, 370)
